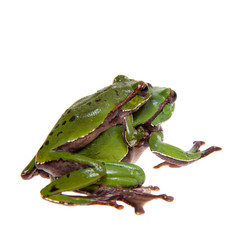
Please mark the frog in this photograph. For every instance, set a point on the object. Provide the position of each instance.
(95, 158)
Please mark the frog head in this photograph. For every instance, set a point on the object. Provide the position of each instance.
(159, 108)
(166, 107)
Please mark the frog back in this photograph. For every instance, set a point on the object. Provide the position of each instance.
(88, 113)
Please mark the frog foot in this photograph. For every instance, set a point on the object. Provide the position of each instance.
(198, 144)
(135, 197)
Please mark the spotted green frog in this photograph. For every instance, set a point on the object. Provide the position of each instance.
(92, 148)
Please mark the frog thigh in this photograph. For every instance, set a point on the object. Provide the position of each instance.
(76, 178)
(122, 174)
(117, 174)
(72, 181)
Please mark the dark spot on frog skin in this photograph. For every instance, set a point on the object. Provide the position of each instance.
(69, 111)
(47, 142)
(68, 175)
(117, 93)
(64, 123)
(41, 147)
(57, 126)
(59, 133)
(53, 189)
(72, 118)
(51, 133)
(89, 103)
(98, 100)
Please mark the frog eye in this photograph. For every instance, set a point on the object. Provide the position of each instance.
(144, 89)
(173, 96)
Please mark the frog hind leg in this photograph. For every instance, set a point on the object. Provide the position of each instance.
(74, 180)
(122, 182)
(63, 180)
(175, 157)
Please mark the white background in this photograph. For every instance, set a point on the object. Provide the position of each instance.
(55, 52)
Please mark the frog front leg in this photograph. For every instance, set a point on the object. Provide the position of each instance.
(131, 135)
(175, 157)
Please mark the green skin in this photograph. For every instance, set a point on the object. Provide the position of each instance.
(97, 140)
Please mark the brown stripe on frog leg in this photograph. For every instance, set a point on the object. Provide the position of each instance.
(175, 163)
(170, 162)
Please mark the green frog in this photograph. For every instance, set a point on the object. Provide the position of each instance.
(93, 147)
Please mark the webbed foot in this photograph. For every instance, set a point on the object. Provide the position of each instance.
(135, 197)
